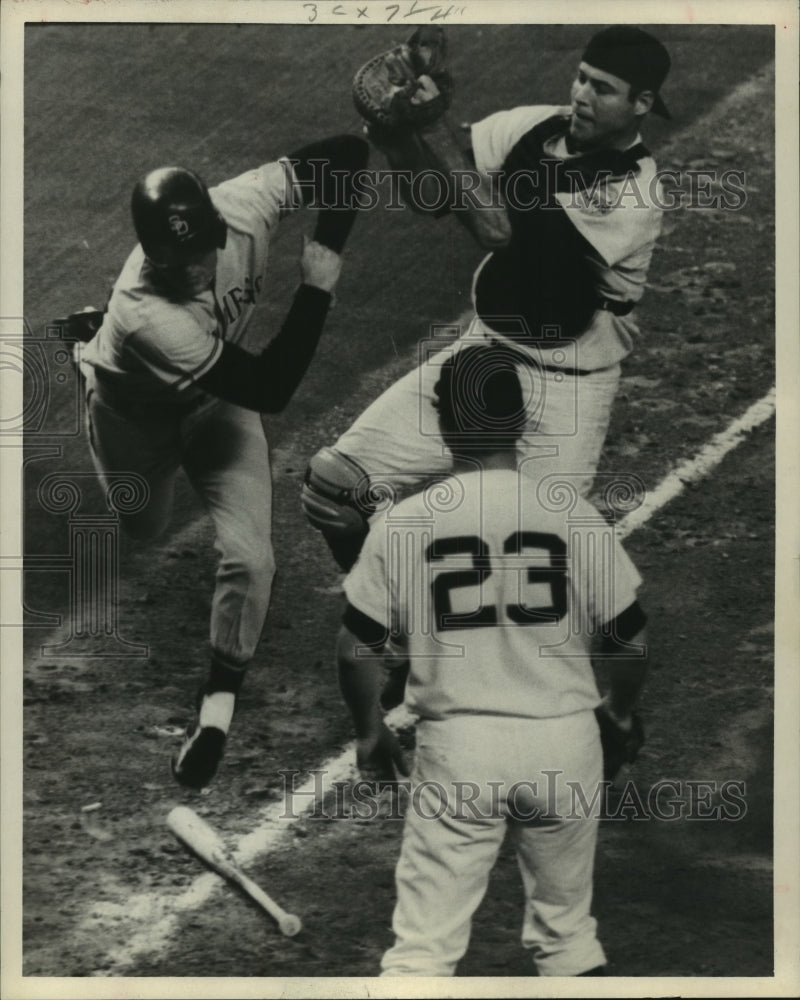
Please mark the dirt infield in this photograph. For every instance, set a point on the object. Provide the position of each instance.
(674, 897)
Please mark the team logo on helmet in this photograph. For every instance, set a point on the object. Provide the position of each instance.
(179, 226)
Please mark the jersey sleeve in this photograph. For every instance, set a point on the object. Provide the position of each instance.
(613, 584)
(494, 137)
(626, 625)
(369, 587)
(175, 347)
(270, 192)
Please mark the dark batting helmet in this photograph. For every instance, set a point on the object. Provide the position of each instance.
(174, 216)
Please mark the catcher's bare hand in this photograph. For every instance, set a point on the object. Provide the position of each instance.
(378, 756)
(319, 265)
(426, 91)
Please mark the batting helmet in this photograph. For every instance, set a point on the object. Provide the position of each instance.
(174, 216)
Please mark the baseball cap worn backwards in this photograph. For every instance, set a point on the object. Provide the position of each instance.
(634, 56)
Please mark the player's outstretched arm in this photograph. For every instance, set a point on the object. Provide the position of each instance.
(403, 95)
(474, 200)
(267, 381)
(433, 168)
(325, 173)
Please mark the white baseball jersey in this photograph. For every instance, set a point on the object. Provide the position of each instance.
(620, 218)
(149, 347)
(494, 595)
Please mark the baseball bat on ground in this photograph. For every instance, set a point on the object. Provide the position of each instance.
(207, 844)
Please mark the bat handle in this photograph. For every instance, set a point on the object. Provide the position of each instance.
(288, 923)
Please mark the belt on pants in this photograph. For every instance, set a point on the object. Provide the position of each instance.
(529, 360)
(171, 405)
(616, 306)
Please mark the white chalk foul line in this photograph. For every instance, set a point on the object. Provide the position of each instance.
(703, 462)
(161, 915)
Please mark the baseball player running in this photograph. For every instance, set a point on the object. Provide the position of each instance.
(493, 593)
(173, 382)
(566, 199)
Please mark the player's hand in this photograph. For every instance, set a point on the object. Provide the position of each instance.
(622, 720)
(319, 265)
(378, 755)
(621, 738)
(426, 90)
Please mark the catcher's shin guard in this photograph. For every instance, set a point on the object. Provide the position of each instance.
(335, 501)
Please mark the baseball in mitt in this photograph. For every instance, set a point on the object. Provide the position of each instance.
(407, 87)
(620, 746)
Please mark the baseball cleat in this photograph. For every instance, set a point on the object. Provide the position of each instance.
(197, 761)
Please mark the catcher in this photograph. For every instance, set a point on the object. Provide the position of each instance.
(565, 198)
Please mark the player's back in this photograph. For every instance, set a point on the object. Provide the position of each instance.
(499, 595)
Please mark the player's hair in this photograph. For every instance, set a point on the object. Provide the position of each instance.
(479, 399)
(633, 94)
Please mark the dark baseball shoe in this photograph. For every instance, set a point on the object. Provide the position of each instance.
(197, 760)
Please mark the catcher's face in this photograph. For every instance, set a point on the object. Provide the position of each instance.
(603, 113)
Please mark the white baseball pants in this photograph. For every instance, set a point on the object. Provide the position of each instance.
(225, 455)
(396, 439)
(451, 840)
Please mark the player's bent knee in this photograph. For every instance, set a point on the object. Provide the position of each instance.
(247, 556)
(259, 563)
(334, 495)
(263, 570)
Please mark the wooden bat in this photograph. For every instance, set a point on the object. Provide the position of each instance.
(207, 844)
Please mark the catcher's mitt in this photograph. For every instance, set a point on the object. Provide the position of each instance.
(620, 746)
(388, 92)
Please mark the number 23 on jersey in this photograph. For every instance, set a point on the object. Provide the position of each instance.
(498, 588)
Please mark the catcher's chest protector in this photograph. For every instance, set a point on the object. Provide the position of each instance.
(545, 274)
